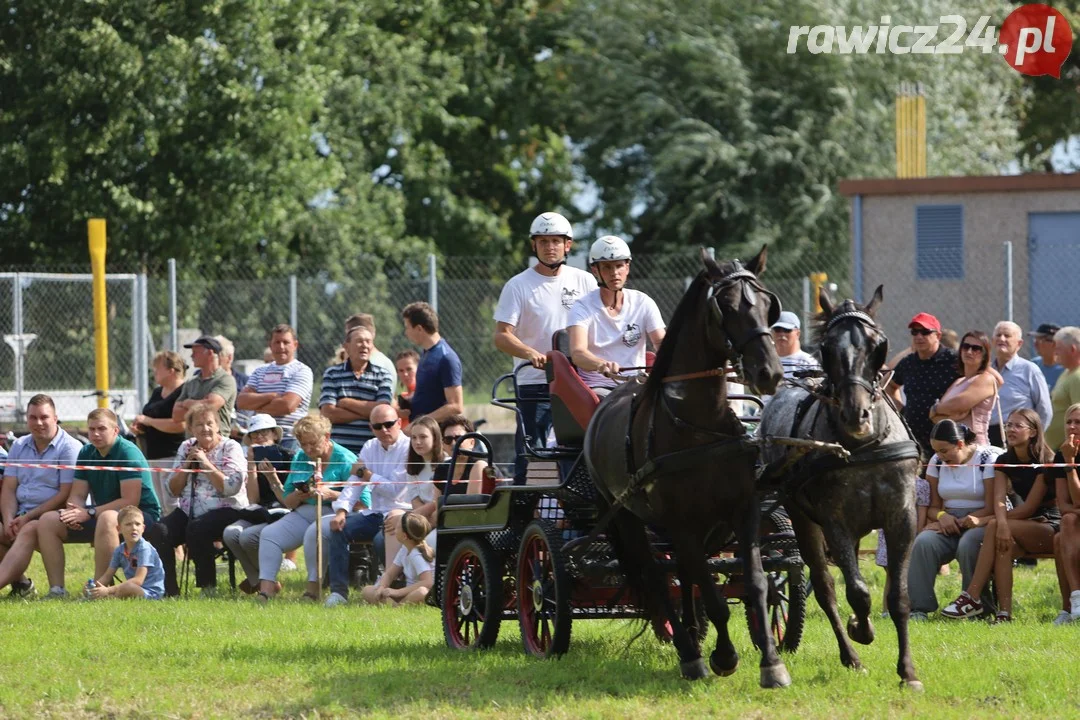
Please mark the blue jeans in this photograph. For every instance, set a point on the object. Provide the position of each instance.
(535, 407)
(357, 527)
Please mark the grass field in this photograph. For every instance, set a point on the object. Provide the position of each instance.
(231, 658)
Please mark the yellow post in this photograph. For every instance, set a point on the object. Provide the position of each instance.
(95, 228)
(910, 130)
(920, 131)
(818, 279)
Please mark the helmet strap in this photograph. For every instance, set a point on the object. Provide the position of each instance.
(551, 266)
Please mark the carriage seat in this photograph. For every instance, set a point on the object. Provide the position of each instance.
(572, 401)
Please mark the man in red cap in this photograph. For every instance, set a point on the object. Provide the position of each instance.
(925, 375)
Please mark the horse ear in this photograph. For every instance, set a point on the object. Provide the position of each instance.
(826, 301)
(875, 302)
(710, 264)
(757, 265)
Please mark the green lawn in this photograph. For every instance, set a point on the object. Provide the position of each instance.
(230, 658)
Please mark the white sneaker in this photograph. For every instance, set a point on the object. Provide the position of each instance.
(335, 599)
(56, 593)
(1063, 618)
(288, 565)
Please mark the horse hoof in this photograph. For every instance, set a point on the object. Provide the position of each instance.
(912, 685)
(775, 676)
(724, 666)
(860, 632)
(694, 669)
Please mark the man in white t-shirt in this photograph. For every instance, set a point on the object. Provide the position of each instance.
(786, 335)
(533, 305)
(609, 326)
(281, 389)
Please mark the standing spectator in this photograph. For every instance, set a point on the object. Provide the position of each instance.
(787, 335)
(533, 305)
(924, 375)
(208, 500)
(382, 467)
(378, 357)
(438, 377)
(406, 363)
(228, 353)
(211, 384)
(29, 493)
(123, 480)
(1066, 390)
(351, 390)
(1025, 386)
(971, 397)
(1043, 340)
(160, 434)
(281, 389)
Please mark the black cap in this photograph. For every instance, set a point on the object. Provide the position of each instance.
(207, 342)
(1045, 330)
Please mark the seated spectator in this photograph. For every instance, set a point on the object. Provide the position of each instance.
(319, 469)
(466, 476)
(112, 489)
(143, 570)
(210, 384)
(426, 452)
(970, 398)
(609, 326)
(438, 377)
(351, 390)
(961, 501)
(378, 357)
(1027, 529)
(159, 434)
(208, 501)
(382, 467)
(414, 559)
(30, 492)
(281, 389)
(406, 363)
(267, 467)
(1067, 542)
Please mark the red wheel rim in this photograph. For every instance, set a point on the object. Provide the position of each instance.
(779, 601)
(465, 599)
(536, 596)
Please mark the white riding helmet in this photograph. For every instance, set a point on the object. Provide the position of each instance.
(551, 223)
(609, 247)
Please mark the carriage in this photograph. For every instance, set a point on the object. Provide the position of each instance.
(529, 551)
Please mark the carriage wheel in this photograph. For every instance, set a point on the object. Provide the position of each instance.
(543, 597)
(472, 596)
(785, 605)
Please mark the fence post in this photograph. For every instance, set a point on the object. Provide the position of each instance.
(433, 282)
(292, 303)
(174, 340)
(19, 346)
(136, 343)
(1008, 281)
(805, 300)
(142, 350)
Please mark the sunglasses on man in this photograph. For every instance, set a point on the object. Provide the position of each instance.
(383, 425)
(921, 331)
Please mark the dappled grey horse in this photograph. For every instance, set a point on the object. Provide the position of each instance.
(834, 502)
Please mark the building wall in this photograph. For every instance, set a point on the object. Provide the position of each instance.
(977, 301)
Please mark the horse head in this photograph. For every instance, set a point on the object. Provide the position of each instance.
(853, 351)
(742, 310)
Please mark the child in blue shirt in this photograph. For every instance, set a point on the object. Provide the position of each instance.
(142, 566)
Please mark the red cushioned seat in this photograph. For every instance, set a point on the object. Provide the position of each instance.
(572, 401)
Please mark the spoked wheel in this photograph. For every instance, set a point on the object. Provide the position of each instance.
(472, 596)
(543, 592)
(785, 605)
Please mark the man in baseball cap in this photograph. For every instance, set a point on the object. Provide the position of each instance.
(786, 332)
(207, 342)
(925, 375)
(1042, 338)
(213, 384)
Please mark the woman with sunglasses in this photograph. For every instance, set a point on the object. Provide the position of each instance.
(1028, 528)
(970, 398)
(467, 475)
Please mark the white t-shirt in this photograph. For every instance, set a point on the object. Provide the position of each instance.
(420, 486)
(413, 563)
(620, 339)
(962, 488)
(537, 306)
(799, 360)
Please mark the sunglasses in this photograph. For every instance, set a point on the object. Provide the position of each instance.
(383, 425)
(921, 331)
(451, 439)
(970, 347)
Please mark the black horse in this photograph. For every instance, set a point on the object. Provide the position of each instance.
(833, 503)
(671, 453)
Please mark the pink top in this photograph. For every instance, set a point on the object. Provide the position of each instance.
(978, 418)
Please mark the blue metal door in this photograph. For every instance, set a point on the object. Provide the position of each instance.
(1053, 251)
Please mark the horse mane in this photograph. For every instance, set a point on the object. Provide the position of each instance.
(820, 321)
(665, 353)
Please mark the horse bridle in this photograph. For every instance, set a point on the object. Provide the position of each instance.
(873, 388)
(741, 274)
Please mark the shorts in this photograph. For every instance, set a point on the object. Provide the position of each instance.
(1049, 515)
(85, 535)
(152, 594)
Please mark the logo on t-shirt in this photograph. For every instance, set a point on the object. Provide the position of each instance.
(569, 297)
(631, 335)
